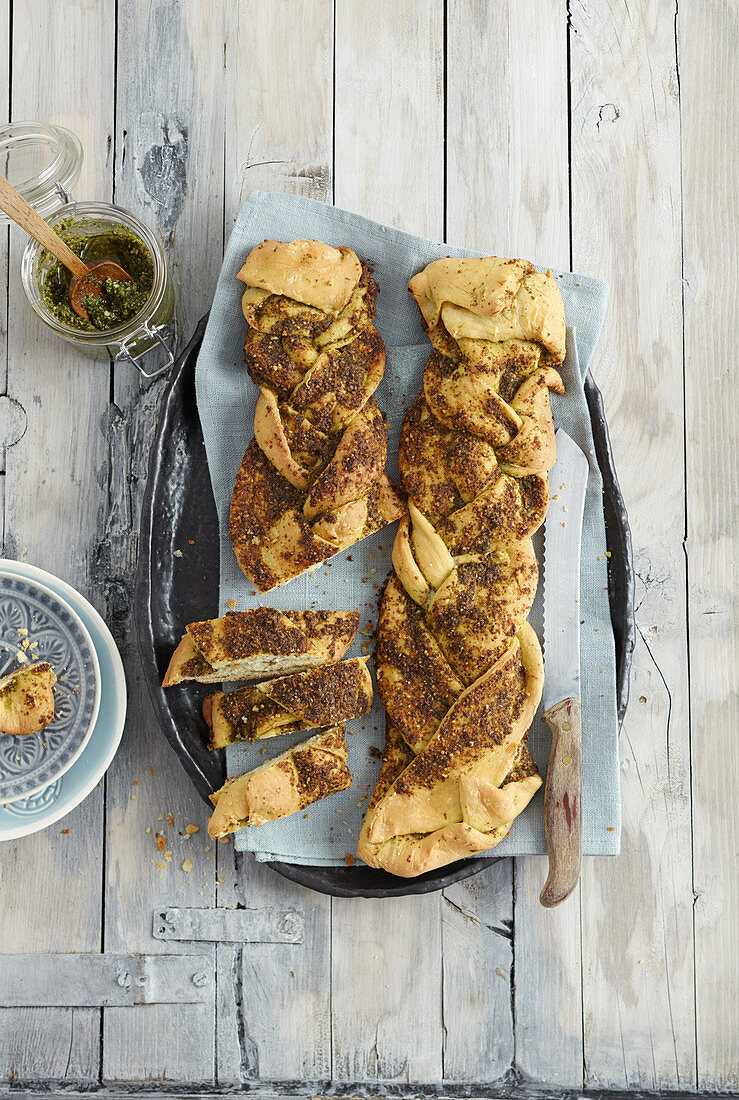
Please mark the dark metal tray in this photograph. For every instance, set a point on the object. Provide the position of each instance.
(179, 511)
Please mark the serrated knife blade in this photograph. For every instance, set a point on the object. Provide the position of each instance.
(568, 480)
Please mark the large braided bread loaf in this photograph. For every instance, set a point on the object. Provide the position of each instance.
(459, 669)
(311, 482)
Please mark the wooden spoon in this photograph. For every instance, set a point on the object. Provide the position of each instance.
(88, 280)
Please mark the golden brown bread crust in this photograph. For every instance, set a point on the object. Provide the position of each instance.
(415, 681)
(247, 645)
(490, 299)
(462, 792)
(273, 539)
(308, 271)
(321, 697)
(458, 668)
(476, 742)
(27, 699)
(304, 774)
(311, 482)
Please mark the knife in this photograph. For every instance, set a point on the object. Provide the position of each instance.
(563, 788)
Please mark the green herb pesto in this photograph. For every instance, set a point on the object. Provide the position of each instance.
(120, 301)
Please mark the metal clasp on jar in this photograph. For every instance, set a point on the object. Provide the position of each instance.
(64, 194)
(155, 334)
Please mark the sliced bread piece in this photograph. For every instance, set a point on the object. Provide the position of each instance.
(280, 787)
(248, 645)
(27, 699)
(290, 704)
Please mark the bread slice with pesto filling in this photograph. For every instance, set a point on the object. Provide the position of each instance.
(249, 645)
(27, 699)
(304, 774)
(290, 704)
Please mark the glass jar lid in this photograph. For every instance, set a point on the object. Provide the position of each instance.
(43, 162)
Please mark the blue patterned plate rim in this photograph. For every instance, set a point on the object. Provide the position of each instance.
(30, 612)
(89, 768)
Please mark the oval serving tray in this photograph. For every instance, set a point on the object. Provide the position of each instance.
(179, 510)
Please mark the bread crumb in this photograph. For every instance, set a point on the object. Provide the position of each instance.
(190, 829)
(178, 553)
(187, 865)
(349, 858)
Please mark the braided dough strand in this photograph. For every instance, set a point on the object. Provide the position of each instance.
(311, 482)
(458, 667)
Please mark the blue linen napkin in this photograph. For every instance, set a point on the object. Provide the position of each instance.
(226, 397)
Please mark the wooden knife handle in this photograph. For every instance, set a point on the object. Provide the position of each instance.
(563, 802)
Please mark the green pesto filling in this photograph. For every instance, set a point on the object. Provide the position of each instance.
(120, 300)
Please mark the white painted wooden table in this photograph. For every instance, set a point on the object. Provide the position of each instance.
(594, 134)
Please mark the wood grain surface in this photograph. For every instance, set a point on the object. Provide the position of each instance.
(585, 134)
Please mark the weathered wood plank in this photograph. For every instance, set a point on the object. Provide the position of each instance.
(54, 472)
(291, 1042)
(507, 192)
(4, 233)
(169, 158)
(278, 138)
(279, 103)
(4, 255)
(709, 85)
(638, 992)
(477, 947)
(507, 117)
(389, 125)
(386, 1005)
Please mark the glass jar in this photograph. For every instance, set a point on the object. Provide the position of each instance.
(43, 163)
(152, 327)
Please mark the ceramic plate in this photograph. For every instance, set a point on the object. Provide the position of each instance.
(36, 625)
(29, 815)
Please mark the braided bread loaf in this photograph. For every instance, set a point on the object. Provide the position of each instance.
(458, 667)
(311, 482)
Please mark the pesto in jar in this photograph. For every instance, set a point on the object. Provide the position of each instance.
(120, 301)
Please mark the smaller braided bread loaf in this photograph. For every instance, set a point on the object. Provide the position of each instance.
(458, 667)
(311, 482)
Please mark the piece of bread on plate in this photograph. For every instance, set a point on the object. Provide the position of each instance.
(299, 777)
(312, 480)
(27, 699)
(290, 704)
(249, 645)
